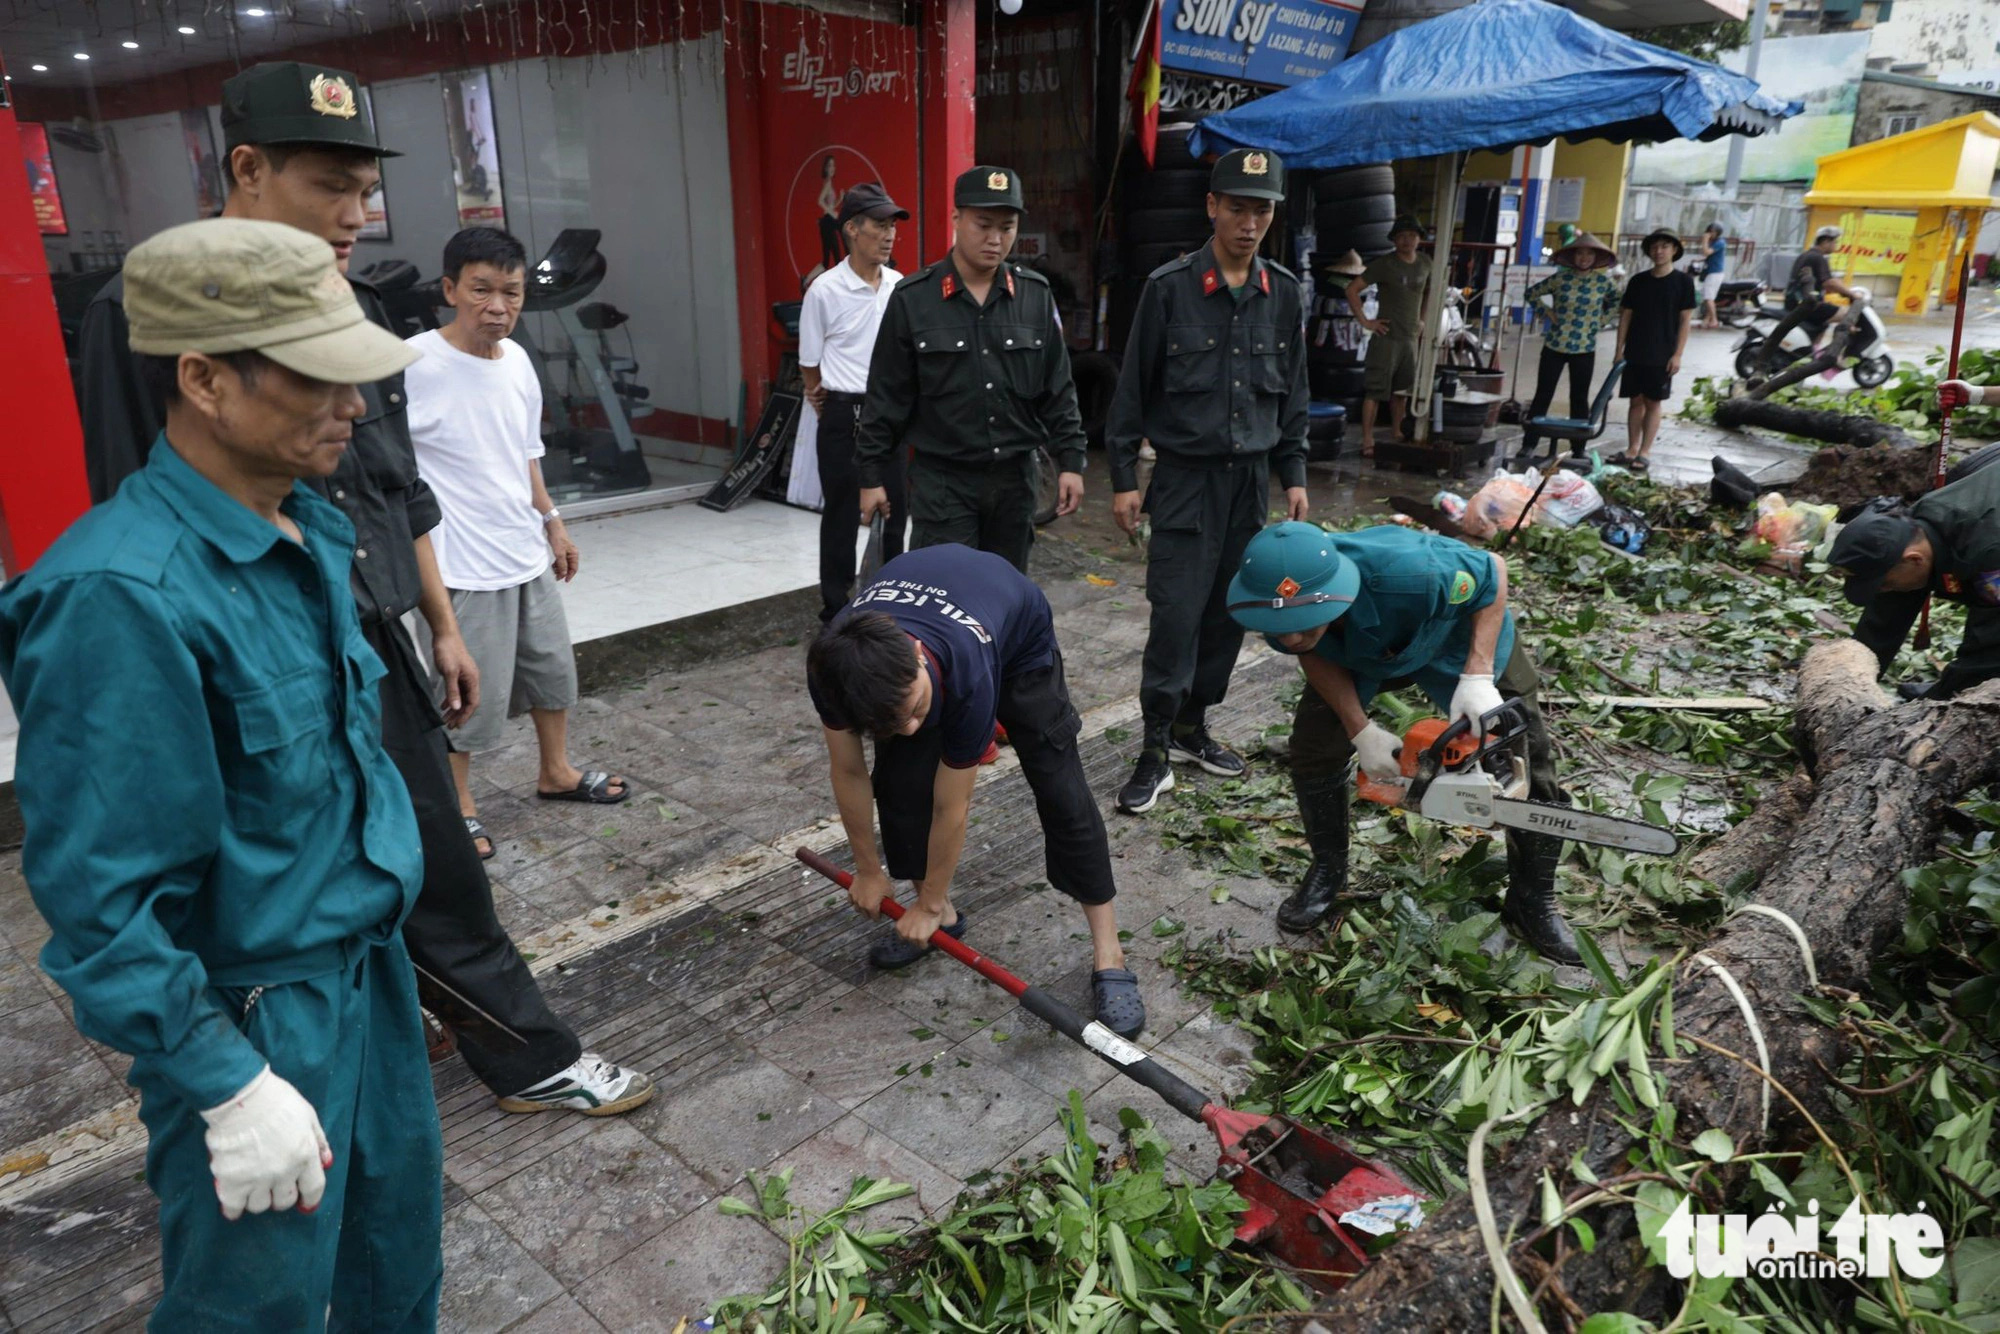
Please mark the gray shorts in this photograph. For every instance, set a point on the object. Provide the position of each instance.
(520, 639)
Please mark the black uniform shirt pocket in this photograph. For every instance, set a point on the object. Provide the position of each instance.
(1265, 358)
(382, 434)
(1192, 359)
(943, 356)
(280, 770)
(1020, 351)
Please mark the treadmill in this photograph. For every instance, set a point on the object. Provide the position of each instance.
(591, 448)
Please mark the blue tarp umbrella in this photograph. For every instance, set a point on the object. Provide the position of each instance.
(1493, 75)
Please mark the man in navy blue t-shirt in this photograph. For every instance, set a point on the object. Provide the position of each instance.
(942, 644)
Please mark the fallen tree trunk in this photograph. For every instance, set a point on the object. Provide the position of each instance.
(1813, 423)
(1868, 458)
(1830, 857)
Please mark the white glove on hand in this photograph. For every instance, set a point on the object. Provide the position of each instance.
(266, 1149)
(1474, 698)
(1376, 747)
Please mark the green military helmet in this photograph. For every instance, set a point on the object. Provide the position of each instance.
(1249, 172)
(1292, 579)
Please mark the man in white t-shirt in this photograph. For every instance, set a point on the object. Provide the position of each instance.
(843, 310)
(475, 417)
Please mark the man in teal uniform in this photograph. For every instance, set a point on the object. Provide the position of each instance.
(970, 374)
(1378, 610)
(1215, 377)
(222, 848)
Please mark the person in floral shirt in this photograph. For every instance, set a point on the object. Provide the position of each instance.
(1583, 295)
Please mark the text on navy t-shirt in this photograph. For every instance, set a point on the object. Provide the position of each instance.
(979, 619)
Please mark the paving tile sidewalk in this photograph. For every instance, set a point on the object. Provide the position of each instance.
(774, 1043)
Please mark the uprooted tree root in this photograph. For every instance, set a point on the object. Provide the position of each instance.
(1827, 851)
(1866, 458)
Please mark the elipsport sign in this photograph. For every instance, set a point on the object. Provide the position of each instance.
(1264, 41)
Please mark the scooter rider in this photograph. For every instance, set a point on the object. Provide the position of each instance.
(1805, 295)
(1378, 610)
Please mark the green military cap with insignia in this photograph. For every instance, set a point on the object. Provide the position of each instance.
(296, 102)
(1249, 172)
(988, 187)
(236, 285)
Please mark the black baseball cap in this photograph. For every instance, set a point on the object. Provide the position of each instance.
(1249, 172)
(988, 187)
(296, 102)
(1868, 547)
(869, 200)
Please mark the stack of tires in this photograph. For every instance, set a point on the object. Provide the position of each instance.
(1352, 210)
(1163, 214)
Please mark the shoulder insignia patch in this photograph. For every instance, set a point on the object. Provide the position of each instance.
(1987, 586)
(1461, 588)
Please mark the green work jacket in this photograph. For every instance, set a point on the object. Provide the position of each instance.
(207, 802)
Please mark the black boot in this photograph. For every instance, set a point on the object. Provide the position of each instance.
(1530, 909)
(1151, 776)
(1323, 812)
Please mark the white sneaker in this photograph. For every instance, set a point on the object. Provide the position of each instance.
(593, 1086)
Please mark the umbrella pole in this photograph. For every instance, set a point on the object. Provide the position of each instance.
(1445, 220)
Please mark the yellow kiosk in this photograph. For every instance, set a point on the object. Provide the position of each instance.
(1908, 204)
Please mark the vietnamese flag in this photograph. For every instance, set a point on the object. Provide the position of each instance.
(1145, 89)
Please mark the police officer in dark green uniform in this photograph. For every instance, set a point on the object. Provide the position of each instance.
(1378, 610)
(1946, 545)
(1215, 378)
(971, 373)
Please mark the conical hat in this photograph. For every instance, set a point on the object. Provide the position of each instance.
(1350, 264)
(1587, 241)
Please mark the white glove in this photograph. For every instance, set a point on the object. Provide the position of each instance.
(1474, 698)
(266, 1149)
(1376, 747)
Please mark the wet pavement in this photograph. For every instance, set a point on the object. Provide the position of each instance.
(678, 934)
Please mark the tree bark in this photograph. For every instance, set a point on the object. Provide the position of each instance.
(1830, 857)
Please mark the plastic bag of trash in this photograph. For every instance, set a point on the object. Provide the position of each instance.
(1496, 505)
(1783, 524)
(1567, 500)
(1621, 526)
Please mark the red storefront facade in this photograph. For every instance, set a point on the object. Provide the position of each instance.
(700, 140)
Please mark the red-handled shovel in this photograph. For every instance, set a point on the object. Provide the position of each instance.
(1315, 1204)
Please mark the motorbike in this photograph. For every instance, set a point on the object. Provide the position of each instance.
(1740, 301)
(1867, 353)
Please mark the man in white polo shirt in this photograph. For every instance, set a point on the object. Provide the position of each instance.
(843, 309)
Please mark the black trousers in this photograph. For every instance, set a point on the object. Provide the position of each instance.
(1581, 367)
(990, 507)
(453, 933)
(1202, 519)
(1814, 316)
(841, 513)
(1042, 725)
(1320, 748)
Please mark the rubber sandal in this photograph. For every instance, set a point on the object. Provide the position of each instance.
(1115, 992)
(594, 787)
(895, 952)
(477, 831)
(1640, 464)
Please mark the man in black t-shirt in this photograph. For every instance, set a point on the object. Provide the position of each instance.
(943, 643)
(1805, 294)
(1653, 325)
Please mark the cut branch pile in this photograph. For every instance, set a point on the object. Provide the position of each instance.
(1828, 851)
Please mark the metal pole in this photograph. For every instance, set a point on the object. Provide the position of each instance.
(1759, 12)
(1444, 216)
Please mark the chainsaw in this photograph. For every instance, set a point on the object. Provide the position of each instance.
(1451, 776)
